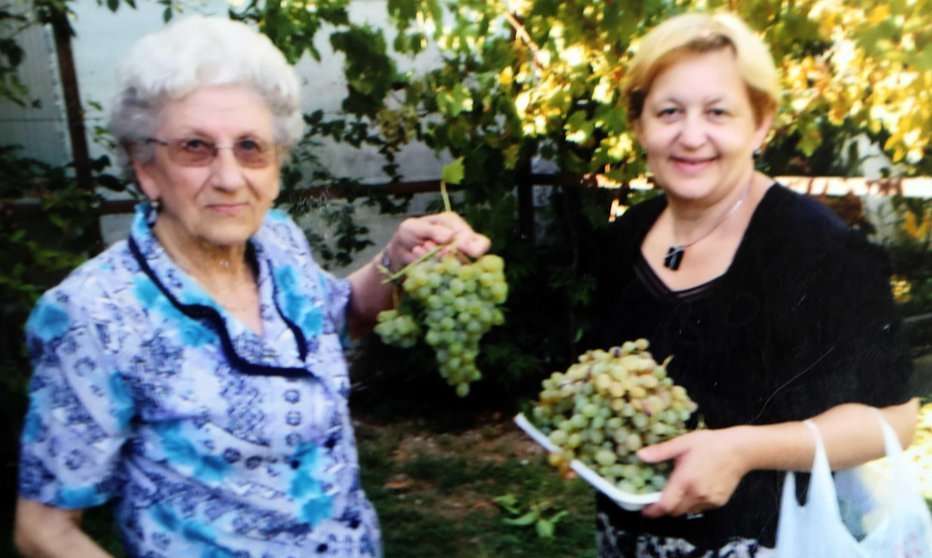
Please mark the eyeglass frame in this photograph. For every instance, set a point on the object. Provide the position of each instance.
(215, 150)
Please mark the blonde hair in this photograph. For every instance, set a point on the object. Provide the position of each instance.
(693, 33)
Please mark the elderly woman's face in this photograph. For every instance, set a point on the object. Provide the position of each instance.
(216, 170)
(698, 127)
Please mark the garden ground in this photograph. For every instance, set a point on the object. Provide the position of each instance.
(482, 490)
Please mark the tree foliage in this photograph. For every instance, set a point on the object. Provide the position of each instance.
(550, 70)
(523, 82)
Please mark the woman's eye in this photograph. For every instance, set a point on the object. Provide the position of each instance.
(717, 112)
(249, 145)
(195, 144)
(667, 112)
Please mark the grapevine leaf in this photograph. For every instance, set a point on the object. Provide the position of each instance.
(453, 172)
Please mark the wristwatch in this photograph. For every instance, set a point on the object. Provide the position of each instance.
(386, 261)
(386, 265)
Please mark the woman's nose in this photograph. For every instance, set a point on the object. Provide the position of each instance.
(693, 133)
(227, 173)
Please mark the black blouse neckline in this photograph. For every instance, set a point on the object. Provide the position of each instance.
(648, 276)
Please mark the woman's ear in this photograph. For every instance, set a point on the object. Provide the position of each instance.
(144, 178)
(763, 128)
(638, 130)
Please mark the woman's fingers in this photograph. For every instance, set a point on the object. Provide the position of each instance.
(705, 474)
(418, 235)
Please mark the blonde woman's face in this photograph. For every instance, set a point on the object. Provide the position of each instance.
(698, 127)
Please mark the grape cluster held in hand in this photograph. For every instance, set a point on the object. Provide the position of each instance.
(452, 304)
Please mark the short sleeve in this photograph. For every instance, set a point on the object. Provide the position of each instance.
(849, 345)
(80, 411)
(335, 293)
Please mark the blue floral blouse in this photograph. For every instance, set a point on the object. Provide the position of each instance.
(208, 439)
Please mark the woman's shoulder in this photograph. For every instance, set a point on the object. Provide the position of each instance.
(107, 272)
(90, 292)
(281, 234)
(642, 214)
(797, 231)
(634, 223)
(797, 213)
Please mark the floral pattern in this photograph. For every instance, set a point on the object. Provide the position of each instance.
(616, 543)
(208, 439)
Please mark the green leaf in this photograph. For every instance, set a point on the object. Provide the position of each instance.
(453, 172)
(924, 59)
(402, 11)
(527, 519)
(455, 100)
(509, 503)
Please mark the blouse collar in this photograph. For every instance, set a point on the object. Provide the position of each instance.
(190, 298)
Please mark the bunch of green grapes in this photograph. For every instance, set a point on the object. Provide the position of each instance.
(608, 405)
(453, 304)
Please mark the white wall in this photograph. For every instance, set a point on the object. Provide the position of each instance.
(40, 127)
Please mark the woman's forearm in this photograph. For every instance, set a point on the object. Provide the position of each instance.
(851, 432)
(45, 532)
(370, 296)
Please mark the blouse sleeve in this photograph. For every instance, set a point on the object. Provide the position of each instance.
(334, 292)
(80, 410)
(847, 344)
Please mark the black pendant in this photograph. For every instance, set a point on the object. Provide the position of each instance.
(673, 258)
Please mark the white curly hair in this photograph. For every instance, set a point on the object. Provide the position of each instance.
(193, 52)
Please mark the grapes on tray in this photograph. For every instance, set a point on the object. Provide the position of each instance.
(451, 304)
(608, 405)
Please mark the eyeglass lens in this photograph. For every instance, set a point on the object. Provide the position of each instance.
(199, 152)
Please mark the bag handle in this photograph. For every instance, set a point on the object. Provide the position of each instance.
(821, 496)
(825, 491)
(891, 442)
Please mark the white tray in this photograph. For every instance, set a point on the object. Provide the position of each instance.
(627, 500)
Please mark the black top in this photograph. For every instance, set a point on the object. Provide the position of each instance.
(801, 321)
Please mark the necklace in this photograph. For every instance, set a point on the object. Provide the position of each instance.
(675, 253)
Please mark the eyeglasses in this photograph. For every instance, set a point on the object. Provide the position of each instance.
(197, 152)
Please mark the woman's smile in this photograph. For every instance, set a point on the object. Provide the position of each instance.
(692, 165)
(227, 208)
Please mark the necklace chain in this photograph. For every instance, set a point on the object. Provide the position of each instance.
(249, 279)
(675, 253)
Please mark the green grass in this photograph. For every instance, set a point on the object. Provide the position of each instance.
(443, 501)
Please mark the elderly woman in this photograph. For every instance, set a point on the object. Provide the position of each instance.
(774, 311)
(193, 375)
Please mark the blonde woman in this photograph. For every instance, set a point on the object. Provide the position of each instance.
(774, 311)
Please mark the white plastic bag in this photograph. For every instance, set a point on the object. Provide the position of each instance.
(885, 514)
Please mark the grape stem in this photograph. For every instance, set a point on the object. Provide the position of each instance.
(401, 272)
(445, 195)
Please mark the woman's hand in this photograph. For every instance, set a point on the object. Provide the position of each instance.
(418, 235)
(709, 464)
(413, 238)
(707, 469)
